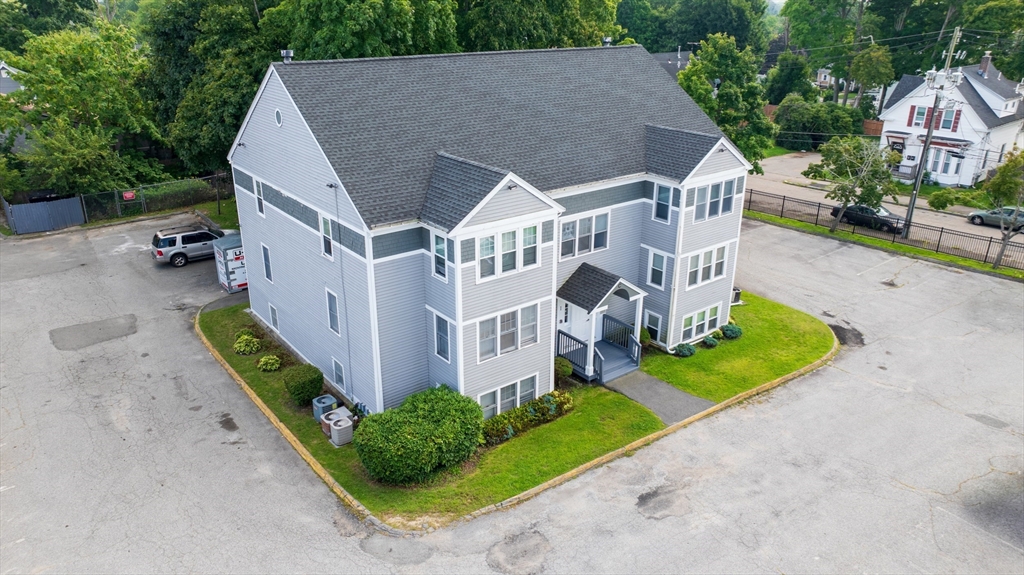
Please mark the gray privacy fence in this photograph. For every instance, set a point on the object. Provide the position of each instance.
(157, 197)
(939, 240)
(44, 216)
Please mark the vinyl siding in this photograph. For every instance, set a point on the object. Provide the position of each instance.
(440, 371)
(704, 296)
(657, 300)
(506, 291)
(508, 204)
(698, 235)
(438, 294)
(400, 242)
(579, 203)
(718, 161)
(301, 275)
(401, 321)
(512, 366)
(622, 257)
(288, 157)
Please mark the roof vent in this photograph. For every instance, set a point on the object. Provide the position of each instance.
(286, 55)
(606, 41)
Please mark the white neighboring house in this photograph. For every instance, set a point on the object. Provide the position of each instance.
(7, 84)
(980, 121)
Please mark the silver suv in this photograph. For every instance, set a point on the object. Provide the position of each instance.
(185, 243)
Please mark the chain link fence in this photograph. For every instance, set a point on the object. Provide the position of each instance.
(939, 240)
(157, 197)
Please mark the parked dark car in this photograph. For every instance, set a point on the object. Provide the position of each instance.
(997, 217)
(875, 218)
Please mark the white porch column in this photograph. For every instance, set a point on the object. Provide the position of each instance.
(590, 346)
(639, 315)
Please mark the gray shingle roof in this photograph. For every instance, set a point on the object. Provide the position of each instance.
(675, 153)
(456, 187)
(672, 62)
(588, 286)
(982, 109)
(995, 81)
(556, 118)
(907, 84)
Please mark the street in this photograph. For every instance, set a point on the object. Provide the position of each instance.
(124, 447)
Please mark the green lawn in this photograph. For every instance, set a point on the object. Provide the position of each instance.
(925, 191)
(886, 245)
(6, 230)
(776, 151)
(601, 422)
(228, 217)
(776, 340)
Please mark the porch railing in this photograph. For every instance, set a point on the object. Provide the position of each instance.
(573, 349)
(620, 333)
(598, 366)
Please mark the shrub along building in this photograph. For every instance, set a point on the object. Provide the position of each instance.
(462, 219)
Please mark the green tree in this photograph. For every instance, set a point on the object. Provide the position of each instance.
(329, 29)
(859, 171)
(639, 21)
(826, 28)
(790, 75)
(11, 180)
(692, 20)
(73, 159)
(20, 21)
(737, 105)
(519, 25)
(871, 67)
(1006, 41)
(170, 29)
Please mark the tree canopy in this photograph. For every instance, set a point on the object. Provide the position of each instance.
(791, 74)
(858, 170)
(737, 104)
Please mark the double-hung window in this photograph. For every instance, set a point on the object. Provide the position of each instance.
(727, 197)
(440, 255)
(508, 397)
(441, 335)
(267, 272)
(273, 317)
(705, 270)
(509, 254)
(700, 212)
(947, 119)
(700, 323)
(529, 246)
(528, 328)
(936, 155)
(488, 338)
(332, 313)
(339, 375)
(720, 261)
(653, 324)
(259, 199)
(489, 403)
(715, 203)
(528, 389)
(486, 258)
(919, 115)
(946, 161)
(656, 273)
(507, 332)
(662, 202)
(706, 266)
(325, 232)
(584, 235)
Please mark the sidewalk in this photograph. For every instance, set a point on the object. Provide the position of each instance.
(670, 404)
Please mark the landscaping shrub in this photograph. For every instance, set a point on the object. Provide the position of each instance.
(178, 194)
(247, 345)
(245, 331)
(645, 337)
(717, 334)
(709, 342)
(545, 408)
(684, 350)
(431, 430)
(563, 368)
(269, 363)
(303, 382)
(731, 331)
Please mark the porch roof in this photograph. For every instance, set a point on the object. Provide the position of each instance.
(589, 285)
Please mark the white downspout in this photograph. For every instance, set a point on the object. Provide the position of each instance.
(590, 346)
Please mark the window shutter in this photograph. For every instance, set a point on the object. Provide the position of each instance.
(910, 118)
(927, 118)
(938, 119)
(956, 120)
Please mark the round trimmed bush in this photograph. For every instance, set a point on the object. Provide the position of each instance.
(269, 363)
(717, 334)
(731, 331)
(709, 342)
(684, 350)
(431, 430)
(244, 331)
(303, 382)
(247, 345)
(563, 368)
(645, 337)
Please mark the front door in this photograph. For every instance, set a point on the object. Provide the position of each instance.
(573, 320)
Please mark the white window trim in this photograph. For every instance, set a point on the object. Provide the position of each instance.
(707, 332)
(497, 331)
(327, 299)
(497, 391)
(450, 324)
(334, 383)
(271, 314)
(737, 190)
(497, 251)
(433, 254)
(278, 117)
(952, 119)
(923, 116)
(654, 204)
(582, 216)
(258, 185)
(713, 249)
(650, 267)
(661, 324)
(264, 257)
(329, 235)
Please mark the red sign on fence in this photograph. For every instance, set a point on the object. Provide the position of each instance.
(129, 195)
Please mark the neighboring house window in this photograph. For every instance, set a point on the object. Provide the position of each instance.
(653, 324)
(488, 338)
(528, 331)
(919, 115)
(936, 155)
(441, 337)
(339, 375)
(440, 257)
(259, 199)
(332, 313)
(325, 231)
(486, 259)
(508, 252)
(662, 202)
(956, 168)
(727, 197)
(529, 246)
(706, 266)
(946, 161)
(489, 404)
(584, 235)
(528, 389)
(947, 119)
(509, 332)
(656, 270)
(273, 317)
(266, 264)
(700, 323)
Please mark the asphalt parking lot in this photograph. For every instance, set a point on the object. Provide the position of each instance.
(125, 448)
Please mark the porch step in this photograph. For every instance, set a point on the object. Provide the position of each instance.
(611, 373)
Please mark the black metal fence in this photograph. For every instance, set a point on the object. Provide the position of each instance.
(940, 240)
(157, 197)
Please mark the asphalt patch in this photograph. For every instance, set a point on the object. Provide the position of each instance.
(521, 553)
(847, 335)
(75, 337)
(662, 502)
(988, 420)
(227, 423)
(397, 551)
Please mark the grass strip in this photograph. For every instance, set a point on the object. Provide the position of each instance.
(228, 216)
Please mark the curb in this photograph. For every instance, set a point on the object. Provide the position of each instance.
(367, 517)
(888, 251)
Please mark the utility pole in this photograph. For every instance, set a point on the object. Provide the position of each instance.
(939, 81)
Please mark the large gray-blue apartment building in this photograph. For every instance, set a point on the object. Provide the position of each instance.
(462, 219)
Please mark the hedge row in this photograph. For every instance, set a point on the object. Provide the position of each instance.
(545, 408)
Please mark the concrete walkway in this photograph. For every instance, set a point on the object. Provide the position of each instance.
(669, 403)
